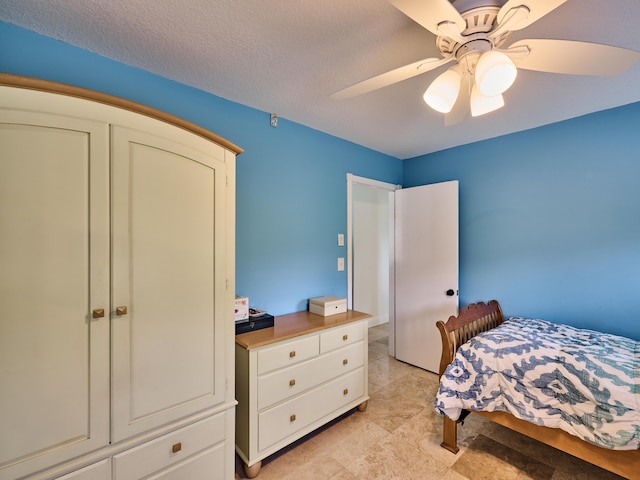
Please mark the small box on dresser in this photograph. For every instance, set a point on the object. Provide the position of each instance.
(254, 323)
(241, 308)
(326, 306)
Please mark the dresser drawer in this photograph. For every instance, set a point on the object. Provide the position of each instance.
(169, 449)
(341, 336)
(206, 465)
(285, 419)
(287, 353)
(282, 384)
(98, 471)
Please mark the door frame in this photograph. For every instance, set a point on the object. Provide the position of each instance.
(389, 187)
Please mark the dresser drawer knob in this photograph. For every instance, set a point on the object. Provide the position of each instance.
(345, 391)
(292, 418)
(345, 361)
(345, 337)
(292, 354)
(176, 447)
(292, 382)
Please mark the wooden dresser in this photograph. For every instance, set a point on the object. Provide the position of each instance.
(296, 376)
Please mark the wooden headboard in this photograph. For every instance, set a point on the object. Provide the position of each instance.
(470, 321)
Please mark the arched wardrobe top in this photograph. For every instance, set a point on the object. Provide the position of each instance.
(10, 80)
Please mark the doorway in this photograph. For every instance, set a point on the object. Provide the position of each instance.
(402, 262)
(370, 251)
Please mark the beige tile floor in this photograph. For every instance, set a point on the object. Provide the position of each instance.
(399, 435)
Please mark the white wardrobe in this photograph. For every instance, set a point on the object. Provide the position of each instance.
(116, 290)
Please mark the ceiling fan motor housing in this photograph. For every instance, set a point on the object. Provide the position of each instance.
(480, 17)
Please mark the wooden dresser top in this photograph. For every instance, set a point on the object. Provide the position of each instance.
(295, 325)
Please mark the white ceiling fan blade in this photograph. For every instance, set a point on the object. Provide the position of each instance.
(431, 13)
(515, 16)
(537, 10)
(391, 77)
(460, 109)
(576, 58)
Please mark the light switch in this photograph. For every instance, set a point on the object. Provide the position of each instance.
(340, 264)
(341, 239)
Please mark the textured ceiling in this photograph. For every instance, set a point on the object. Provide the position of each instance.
(287, 57)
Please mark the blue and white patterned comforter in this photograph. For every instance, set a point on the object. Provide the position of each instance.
(584, 382)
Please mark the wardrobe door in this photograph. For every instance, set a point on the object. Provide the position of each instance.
(168, 214)
(54, 247)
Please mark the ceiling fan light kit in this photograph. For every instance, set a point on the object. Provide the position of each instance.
(471, 34)
(482, 104)
(491, 72)
(495, 73)
(443, 92)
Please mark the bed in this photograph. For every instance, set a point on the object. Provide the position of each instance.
(479, 341)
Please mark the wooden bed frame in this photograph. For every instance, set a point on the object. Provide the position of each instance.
(480, 317)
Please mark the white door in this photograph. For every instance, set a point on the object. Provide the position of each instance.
(169, 272)
(54, 247)
(426, 261)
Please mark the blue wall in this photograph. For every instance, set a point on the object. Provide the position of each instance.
(291, 180)
(550, 219)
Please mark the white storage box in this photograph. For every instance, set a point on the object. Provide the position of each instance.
(242, 308)
(326, 306)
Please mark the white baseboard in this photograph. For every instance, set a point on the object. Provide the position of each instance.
(378, 320)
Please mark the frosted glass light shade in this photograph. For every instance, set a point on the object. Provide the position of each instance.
(443, 91)
(495, 73)
(481, 104)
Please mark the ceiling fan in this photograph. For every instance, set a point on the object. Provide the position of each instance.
(472, 33)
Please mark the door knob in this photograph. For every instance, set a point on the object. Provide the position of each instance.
(450, 293)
